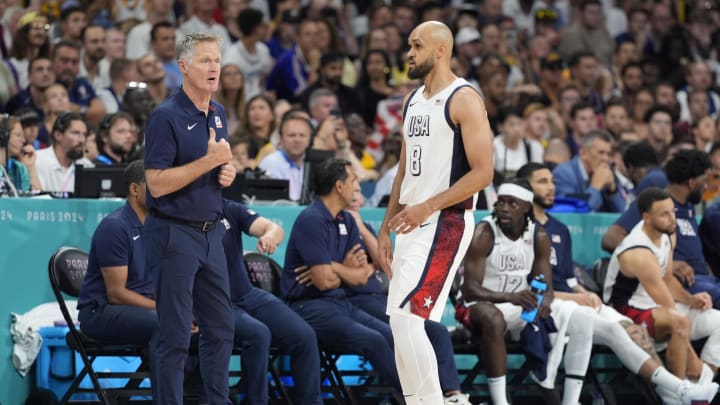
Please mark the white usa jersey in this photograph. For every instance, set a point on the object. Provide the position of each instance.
(510, 261)
(434, 152)
(622, 290)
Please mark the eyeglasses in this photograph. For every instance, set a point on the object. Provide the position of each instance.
(137, 85)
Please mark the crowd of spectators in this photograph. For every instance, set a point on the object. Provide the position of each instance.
(550, 72)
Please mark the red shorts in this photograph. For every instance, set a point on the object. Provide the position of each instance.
(639, 316)
(462, 315)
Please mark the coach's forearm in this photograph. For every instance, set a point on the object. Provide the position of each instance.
(162, 182)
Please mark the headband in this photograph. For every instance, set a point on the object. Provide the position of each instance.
(513, 190)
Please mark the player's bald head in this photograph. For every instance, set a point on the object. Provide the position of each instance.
(435, 34)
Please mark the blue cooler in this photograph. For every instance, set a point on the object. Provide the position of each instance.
(56, 366)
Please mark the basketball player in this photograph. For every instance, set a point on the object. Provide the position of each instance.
(629, 341)
(639, 286)
(507, 249)
(445, 160)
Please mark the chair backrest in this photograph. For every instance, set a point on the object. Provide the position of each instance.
(67, 268)
(599, 272)
(264, 272)
(585, 279)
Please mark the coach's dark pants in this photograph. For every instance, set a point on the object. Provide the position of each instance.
(342, 326)
(261, 318)
(376, 304)
(190, 273)
(123, 324)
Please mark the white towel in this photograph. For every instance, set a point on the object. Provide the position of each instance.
(25, 332)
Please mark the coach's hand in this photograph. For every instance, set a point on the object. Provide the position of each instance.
(226, 175)
(303, 275)
(355, 257)
(218, 151)
(410, 218)
(385, 247)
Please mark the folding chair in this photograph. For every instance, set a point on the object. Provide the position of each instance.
(67, 268)
(265, 274)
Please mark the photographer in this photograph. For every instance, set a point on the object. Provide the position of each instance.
(17, 158)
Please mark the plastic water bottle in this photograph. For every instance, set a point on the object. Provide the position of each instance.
(538, 286)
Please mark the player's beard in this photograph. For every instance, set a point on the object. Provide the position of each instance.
(542, 202)
(695, 196)
(421, 70)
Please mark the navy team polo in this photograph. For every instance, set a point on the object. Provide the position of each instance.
(117, 241)
(176, 134)
(317, 238)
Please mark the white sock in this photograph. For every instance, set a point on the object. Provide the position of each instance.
(663, 378)
(497, 390)
(572, 391)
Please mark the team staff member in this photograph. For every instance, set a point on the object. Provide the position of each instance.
(325, 238)
(260, 317)
(186, 167)
(116, 304)
(445, 160)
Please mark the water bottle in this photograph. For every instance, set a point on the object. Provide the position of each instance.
(538, 286)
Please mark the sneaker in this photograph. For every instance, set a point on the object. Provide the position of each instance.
(696, 394)
(458, 399)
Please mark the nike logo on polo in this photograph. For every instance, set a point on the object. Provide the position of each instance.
(424, 225)
(190, 127)
(136, 237)
(413, 103)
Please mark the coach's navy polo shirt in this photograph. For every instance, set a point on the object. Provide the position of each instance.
(82, 92)
(561, 255)
(317, 238)
(176, 134)
(239, 219)
(689, 247)
(117, 241)
(374, 283)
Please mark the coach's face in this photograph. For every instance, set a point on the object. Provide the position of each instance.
(543, 186)
(201, 69)
(347, 188)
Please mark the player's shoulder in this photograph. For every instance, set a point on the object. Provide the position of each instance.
(466, 101)
(484, 231)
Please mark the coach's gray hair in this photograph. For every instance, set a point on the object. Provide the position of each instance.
(186, 46)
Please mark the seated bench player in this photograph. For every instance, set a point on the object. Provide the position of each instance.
(640, 285)
(629, 341)
(507, 249)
